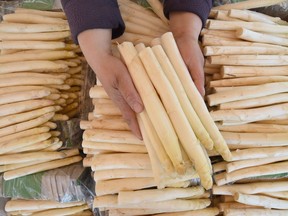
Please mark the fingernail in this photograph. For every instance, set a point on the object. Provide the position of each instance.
(137, 107)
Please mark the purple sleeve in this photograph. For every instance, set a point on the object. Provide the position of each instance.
(199, 7)
(91, 14)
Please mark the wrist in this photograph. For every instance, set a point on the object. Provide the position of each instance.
(185, 24)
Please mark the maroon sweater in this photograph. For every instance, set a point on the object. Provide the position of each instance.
(105, 14)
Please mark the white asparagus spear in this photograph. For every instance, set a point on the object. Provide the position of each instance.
(64, 211)
(154, 146)
(12, 89)
(26, 125)
(256, 102)
(270, 169)
(48, 36)
(198, 104)
(243, 71)
(32, 28)
(244, 50)
(250, 60)
(248, 115)
(252, 212)
(98, 92)
(254, 26)
(248, 140)
(258, 200)
(26, 116)
(247, 92)
(122, 173)
(254, 128)
(121, 161)
(177, 205)
(254, 153)
(23, 96)
(41, 167)
(29, 157)
(113, 186)
(157, 195)
(23, 142)
(103, 123)
(26, 45)
(249, 16)
(19, 107)
(116, 147)
(251, 188)
(37, 205)
(40, 146)
(248, 4)
(47, 55)
(33, 131)
(225, 34)
(32, 19)
(236, 165)
(97, 135)
(163, 212)
(249, 35)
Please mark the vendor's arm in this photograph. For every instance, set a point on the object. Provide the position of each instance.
(187, 17)
(93, 23)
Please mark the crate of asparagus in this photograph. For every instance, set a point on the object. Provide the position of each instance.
(246, 71)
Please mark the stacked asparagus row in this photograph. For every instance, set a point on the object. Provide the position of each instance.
(246, 68)
(45, 207)
(40, 80)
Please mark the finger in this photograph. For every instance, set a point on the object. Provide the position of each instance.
(132, 98)
(127, 113)
(197, 75)
(130, 93)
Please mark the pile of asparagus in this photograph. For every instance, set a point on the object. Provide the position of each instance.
(125, 183)
(142, 25)
(40, 83)
(247, 68)
(126, 175)
(45, 208)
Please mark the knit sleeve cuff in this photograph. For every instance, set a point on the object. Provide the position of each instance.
(93, 14)
(199, 7)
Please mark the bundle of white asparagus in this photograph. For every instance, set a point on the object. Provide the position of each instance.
(40, 83)
(160, 174)
(123, 173)
(247, 67)
(45, 208)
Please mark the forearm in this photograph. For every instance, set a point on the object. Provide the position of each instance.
(95, 44)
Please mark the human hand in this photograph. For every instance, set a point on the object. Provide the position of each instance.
(186, 28)
(112, 73)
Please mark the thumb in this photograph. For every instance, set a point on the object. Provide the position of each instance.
(130, 94)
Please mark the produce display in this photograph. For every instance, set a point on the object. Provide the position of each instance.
(247, 67)
(40, 83)
(41, 80)
(226, 155)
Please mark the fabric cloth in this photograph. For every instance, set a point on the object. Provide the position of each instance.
(105, 14)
